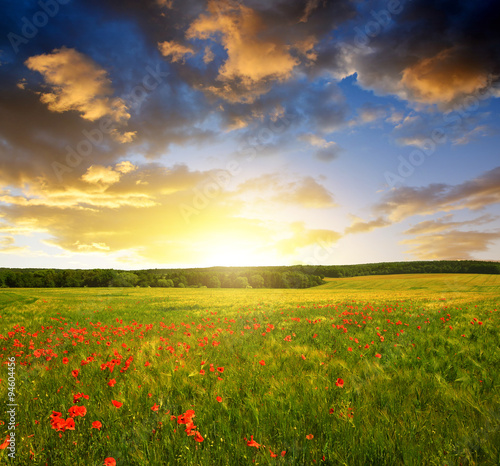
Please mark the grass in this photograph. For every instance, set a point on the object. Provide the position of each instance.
(430, 398)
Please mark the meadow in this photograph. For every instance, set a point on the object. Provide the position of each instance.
(380, 370)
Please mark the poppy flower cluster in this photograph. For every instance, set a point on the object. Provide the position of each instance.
(75, 411)
(60, 424)
(78, 396)
(187, 420)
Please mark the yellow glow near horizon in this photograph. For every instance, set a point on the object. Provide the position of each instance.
(234, 254)
(230, 256)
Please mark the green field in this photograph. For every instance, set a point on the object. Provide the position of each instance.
(381, 370)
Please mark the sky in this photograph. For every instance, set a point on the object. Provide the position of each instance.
(169, 133)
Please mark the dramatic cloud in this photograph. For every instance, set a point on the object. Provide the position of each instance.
(119, 117)
(476, 194)
(78, 84)
(422, 51)
(453, 244)
(442, 78)
(444, 239)
(250, 59)
(175, 51)
(155, 213)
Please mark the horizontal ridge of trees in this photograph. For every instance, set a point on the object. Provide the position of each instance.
(295, 276)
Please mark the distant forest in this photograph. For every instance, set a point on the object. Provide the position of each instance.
(296, 276)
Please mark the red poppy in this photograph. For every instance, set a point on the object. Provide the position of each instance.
(339, 383)
(112, 382)
(220, 369)
(65, 360)
(273, 455)
(70, 424)
(77, 397)
(378, 355)
(283, 453)
(303, 357)
(219, 399)
(198, 437)
(6, 443)
(116, 404)
(155, 407)
(253, 443)
(75, 373)
(202, 372)
(309, 437)
(109, 462)
(58, 424)
(331, 411)
(75, 411)
(262, 362)
(96, 425)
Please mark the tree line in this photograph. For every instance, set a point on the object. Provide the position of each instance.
(391, 268)
(296, 276)
(182, 278)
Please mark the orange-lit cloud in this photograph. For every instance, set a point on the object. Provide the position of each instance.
(443, 224)
(443, 238)
(252, 59)
(100, 174)
(358, 225)
(311, 5)
(453, 244)
(165, 215)
(175, 51)
(78, 84)
(444, 77)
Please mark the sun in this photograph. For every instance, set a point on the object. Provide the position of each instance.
(231, 255)
(237, 252)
